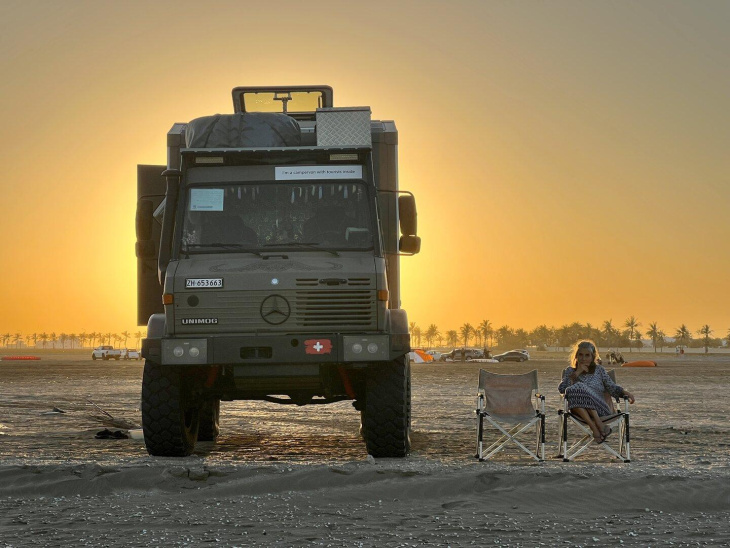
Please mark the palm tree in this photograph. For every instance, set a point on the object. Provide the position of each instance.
(485, 328)
(16, 339)
(417, 334)
(662, 340)
(452, 338)
(53, 339)
(6, 338)
(631, 325)
(431, 333)
(609, 332)
(683, 335)
(73, 337)
(138, 336)
(43, 337)
(504, 334)
(126, 335)
(705, 331)
(466, 330)
(542, 336)
(653, 334)
(62, 338)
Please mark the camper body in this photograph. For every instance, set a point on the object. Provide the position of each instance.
(268, 256)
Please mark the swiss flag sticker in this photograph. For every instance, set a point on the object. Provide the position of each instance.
(318, 346)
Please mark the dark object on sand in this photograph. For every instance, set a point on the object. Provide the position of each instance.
(20, 358)
(107, 434)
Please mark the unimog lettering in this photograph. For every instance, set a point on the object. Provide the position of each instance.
(297, 203)
(199, 321)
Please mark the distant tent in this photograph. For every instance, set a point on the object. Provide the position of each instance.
(419, 356)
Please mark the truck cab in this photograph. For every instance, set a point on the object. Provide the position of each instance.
(268, 268)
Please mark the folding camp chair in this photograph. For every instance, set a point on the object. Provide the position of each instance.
(508, 399)
(619, 417)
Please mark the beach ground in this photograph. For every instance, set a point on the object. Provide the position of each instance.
(291, 476)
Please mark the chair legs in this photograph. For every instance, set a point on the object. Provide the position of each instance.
(568, 453)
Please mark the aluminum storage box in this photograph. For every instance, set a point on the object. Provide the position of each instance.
(349, 126)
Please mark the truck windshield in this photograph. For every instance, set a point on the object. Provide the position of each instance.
(245, 217)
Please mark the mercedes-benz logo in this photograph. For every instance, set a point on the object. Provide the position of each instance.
(275, 309)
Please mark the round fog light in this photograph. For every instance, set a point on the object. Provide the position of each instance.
(194, 352)
(178, 351)
(357, 348)
(372, 348)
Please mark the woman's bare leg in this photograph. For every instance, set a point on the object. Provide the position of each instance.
(597, 420)
(586, 417)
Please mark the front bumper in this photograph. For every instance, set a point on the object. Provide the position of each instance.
(307, 348)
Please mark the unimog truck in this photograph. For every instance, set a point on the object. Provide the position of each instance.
(268, 254)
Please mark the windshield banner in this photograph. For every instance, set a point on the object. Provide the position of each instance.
(318, 172)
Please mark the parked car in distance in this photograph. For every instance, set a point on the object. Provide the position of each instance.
(435, 353)
(131, 354)
(455, 355)
(106, 352)
(512, 356)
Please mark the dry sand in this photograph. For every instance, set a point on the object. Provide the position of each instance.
(283, 476)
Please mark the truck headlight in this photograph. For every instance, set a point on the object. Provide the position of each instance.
(359, 348)
(184, 351)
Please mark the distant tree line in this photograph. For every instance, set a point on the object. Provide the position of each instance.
(69, 340)
(627, 335)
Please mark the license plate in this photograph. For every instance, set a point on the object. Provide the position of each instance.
(202, 283)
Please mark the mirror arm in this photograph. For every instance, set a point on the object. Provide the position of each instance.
(168, 222)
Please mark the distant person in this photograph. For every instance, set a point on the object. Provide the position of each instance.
(681, 350)
(583, 384)
(487, 354)
(463, 354)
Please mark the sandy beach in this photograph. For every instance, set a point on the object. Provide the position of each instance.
(283, 476)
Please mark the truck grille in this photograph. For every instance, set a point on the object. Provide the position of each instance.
(335, 308)
(314, 282)
(312, 310)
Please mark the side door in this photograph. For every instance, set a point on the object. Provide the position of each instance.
(151, 187)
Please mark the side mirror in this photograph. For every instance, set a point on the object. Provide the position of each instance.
(143, 221)
(409, 244)
(407, 215)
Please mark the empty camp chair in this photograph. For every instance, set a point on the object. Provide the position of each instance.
(618, 420)
(508, 400)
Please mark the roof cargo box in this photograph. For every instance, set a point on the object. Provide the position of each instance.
(243, 130)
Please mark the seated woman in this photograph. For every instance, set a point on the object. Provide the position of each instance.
(583, 385)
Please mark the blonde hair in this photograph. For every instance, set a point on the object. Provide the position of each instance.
(583, 345)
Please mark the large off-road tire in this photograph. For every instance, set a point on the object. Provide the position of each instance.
(210, 413)
(387, 412)
(170, 415)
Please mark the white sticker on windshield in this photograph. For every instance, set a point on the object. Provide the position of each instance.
(206, 199)
(318, 172)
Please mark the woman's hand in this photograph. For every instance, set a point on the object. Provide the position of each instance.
(630, 396)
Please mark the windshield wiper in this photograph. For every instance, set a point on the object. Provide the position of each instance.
(308, 245)
(228, 247)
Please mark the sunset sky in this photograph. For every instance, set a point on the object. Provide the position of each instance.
(570, 160)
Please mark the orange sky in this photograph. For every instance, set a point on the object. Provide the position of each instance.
(569, 159)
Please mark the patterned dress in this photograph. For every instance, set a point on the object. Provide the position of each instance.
(587, 391)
